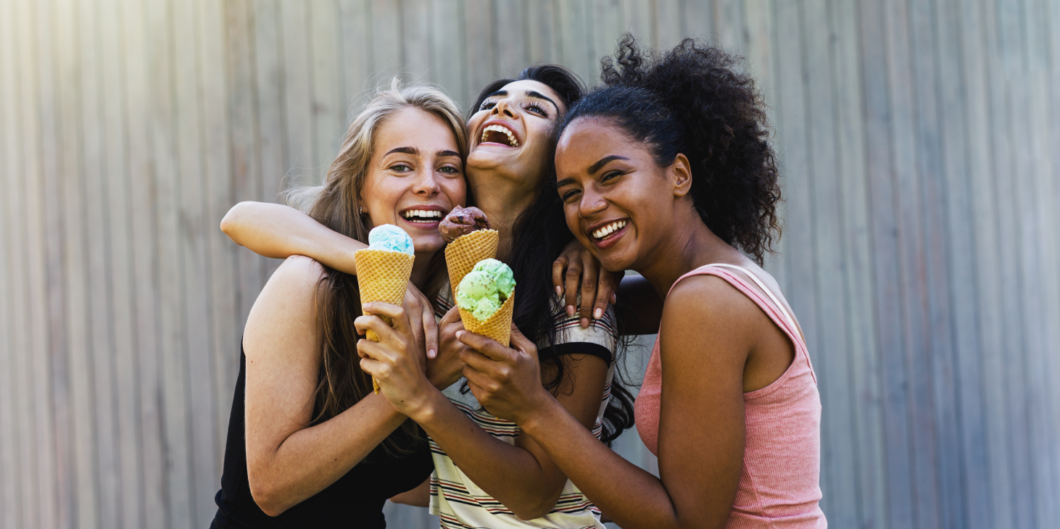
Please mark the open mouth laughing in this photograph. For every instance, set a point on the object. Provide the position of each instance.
(497, 133)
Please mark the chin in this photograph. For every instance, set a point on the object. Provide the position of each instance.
(431, 245)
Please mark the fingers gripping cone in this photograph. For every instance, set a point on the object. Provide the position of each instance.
(498, 326)
(382, 276)
(466, 251)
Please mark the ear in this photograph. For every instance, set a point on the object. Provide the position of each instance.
(681, 173)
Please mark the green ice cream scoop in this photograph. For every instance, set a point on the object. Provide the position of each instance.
(484, 289)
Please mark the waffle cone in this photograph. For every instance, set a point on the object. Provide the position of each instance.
(382, 275)
(466, 251)
(498, 326)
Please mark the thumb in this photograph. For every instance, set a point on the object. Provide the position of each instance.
(521, 342)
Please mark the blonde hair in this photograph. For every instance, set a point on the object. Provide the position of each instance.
(334, 204)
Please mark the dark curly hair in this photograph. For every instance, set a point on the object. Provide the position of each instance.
(691, 101)
(538, 236)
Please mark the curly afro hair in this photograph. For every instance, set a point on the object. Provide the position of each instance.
(691, 101)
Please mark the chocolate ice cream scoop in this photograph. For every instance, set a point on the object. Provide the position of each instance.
(462, 221)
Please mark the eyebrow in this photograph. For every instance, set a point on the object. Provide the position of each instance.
(529, 93)
(604, 161)
(413, 150)
(593, 168)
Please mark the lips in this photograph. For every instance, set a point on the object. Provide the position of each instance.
(427, 216)
(605, 234)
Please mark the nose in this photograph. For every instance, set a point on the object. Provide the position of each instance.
(426, 183)
(502, 108)
(591, 203)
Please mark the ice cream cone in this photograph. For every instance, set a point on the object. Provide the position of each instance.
(498, 326)
(462, 254)
(382, 276)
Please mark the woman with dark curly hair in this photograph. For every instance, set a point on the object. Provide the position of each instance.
(667, 171)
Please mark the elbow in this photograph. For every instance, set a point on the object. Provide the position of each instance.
(536, 509)
(267, 496)
(230, 222)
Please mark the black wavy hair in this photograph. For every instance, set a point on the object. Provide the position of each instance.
(538, 236)
(692, 101)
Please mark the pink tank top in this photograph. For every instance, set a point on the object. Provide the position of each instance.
(779, 485)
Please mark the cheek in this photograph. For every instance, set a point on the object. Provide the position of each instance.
(455, 189)
(380, 200)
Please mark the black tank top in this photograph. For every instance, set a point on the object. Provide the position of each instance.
(354, 501)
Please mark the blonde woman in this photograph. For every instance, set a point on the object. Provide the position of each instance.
(309, 444)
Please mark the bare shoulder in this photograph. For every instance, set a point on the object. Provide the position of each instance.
(286, 308)
(706, 313)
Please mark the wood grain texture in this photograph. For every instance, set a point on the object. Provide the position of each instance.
(919, 148)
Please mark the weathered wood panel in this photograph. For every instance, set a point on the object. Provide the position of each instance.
(919, 144)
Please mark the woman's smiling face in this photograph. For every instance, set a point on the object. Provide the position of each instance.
(414, 176)
(510, 130)
(618, 203)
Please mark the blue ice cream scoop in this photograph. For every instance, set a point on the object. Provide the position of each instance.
(391, 238)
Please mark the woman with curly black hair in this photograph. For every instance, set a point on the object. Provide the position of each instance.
(667, 171)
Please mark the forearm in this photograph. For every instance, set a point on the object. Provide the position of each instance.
(278, 231)
(509, 473)
(632, 497)
(313, 458)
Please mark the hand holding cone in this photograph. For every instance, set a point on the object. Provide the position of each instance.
(383, 270)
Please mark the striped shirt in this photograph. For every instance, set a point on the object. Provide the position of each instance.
(460, 504)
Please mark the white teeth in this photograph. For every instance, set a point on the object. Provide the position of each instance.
(503, 130)
(422, 214)
(609, 229)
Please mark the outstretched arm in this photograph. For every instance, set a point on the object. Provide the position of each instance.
(701, 427)
(279, 231)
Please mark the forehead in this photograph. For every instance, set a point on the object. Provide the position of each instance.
(586, 140)
(413, 127)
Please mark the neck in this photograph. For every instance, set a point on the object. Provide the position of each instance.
(502, 200)
(685, 251)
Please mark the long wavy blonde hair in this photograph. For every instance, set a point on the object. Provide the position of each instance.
(335, 204)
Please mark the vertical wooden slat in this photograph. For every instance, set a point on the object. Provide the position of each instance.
(542, 32)
(86, 461)
(11, 451)
(511, 44)
(956, 154)
(194, 261)
(173, 347)
(1001, 44)
(416, 33)
(574, 48)
(327, 103)
(448, 58)
(606, 28)
(935, 230)
(976, 42)
(638, 18)
(43, 230)
(1051, 213)
(698, 19)
(268, 53)
(762, 56)
(831, 353)
(884, 228)
(141, 120)
(728, 25)
(120, 266)
(220, 267)
(1036, 247)
(245, 157)
(667, 30)
(864, 355)
(479, 39)
(795, 169)
(91, 226)
(387, 42)
(297, 102)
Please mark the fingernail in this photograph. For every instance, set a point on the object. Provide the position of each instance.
(585, 323)
(459, 334)
(431, 353)
(559, 291)
(599, 312)
(570, 310)
(614, 298)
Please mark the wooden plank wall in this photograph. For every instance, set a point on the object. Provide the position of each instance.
(920, 148)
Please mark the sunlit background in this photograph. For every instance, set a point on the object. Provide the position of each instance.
(919, 142)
